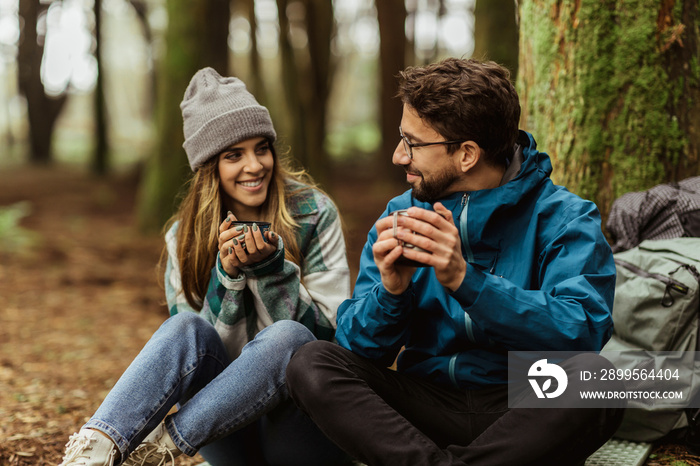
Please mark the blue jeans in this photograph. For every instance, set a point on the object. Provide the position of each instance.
(238, 408)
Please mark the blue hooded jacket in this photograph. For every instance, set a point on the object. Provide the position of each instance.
(540, 276)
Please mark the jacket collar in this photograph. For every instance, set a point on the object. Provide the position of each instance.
(526, 170)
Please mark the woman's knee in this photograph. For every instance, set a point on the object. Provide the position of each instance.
(184, 325)
(288, 333)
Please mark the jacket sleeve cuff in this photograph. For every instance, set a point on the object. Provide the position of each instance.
(235, 283)
(470, 288)
(395, 301)
(270, 265)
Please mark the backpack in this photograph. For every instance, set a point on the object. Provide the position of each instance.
(669, 210)
(656, 308)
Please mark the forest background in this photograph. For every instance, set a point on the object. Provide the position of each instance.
(91, 156)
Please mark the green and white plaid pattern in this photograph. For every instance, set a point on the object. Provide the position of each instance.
(276, 289)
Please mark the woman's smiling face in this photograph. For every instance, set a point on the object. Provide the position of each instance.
(245, 172)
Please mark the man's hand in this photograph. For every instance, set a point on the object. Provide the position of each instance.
(436, 233)
(386, 251)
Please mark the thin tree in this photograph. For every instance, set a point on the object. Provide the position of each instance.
(196, 37)
(496, 32)
(320, 28)
(306, 78)
(42, 109)
(391, 15)
(141, 9)
(291, 82)
(257, 85)
(611, 90)
(100, 158)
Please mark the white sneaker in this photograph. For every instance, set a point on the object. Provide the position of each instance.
(155, 450)
(89, 448)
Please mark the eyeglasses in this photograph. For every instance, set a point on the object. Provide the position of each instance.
(408, 145)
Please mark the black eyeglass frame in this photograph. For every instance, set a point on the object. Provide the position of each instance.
(408, 145)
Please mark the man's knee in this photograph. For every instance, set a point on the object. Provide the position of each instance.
(587, 414)
(306, 371)
(306, 358)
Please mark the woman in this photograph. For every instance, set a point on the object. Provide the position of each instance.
(259, 296)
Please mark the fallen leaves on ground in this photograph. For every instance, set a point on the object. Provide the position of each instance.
(77, 303)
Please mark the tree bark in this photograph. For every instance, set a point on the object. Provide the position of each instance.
(391, 15)
(610, 89)
(196, 37)
(496, 33)
(42, 110)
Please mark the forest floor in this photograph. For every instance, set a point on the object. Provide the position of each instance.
(79, 297)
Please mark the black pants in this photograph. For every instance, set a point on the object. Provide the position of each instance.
(382, 417)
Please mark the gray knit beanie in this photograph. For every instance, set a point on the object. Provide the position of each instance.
(218, 112)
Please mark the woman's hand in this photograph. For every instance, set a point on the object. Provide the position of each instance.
(243, 245)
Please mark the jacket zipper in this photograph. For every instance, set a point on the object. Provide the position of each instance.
(468, 324)
(667, 300)
(453, 362)
(463, 227)
(464, 232)
(470, 257)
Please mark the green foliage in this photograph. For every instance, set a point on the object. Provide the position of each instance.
(13, 237)
(348, 142)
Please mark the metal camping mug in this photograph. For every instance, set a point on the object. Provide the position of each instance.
(263, 226)
(402, 260)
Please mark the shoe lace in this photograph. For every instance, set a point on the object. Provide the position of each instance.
(147, 452)
(75, 449)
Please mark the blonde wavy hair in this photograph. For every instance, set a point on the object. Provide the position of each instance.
(201, 212)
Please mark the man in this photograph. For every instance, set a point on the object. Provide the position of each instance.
(510, 262)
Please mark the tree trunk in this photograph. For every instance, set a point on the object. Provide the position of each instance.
(496, 33)
(42, 110)
(610, 90)
(391, 15)
(410, 25)
(257, 86)
(141, 10)
(320, 27)
(100, 153)
(291, 84)
(306, 80)
(196, 37)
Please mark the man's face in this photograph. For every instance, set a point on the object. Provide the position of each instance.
(432, 171)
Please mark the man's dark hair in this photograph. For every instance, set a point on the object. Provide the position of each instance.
(466, 100)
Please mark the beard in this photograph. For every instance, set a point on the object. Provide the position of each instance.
(431, 189)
